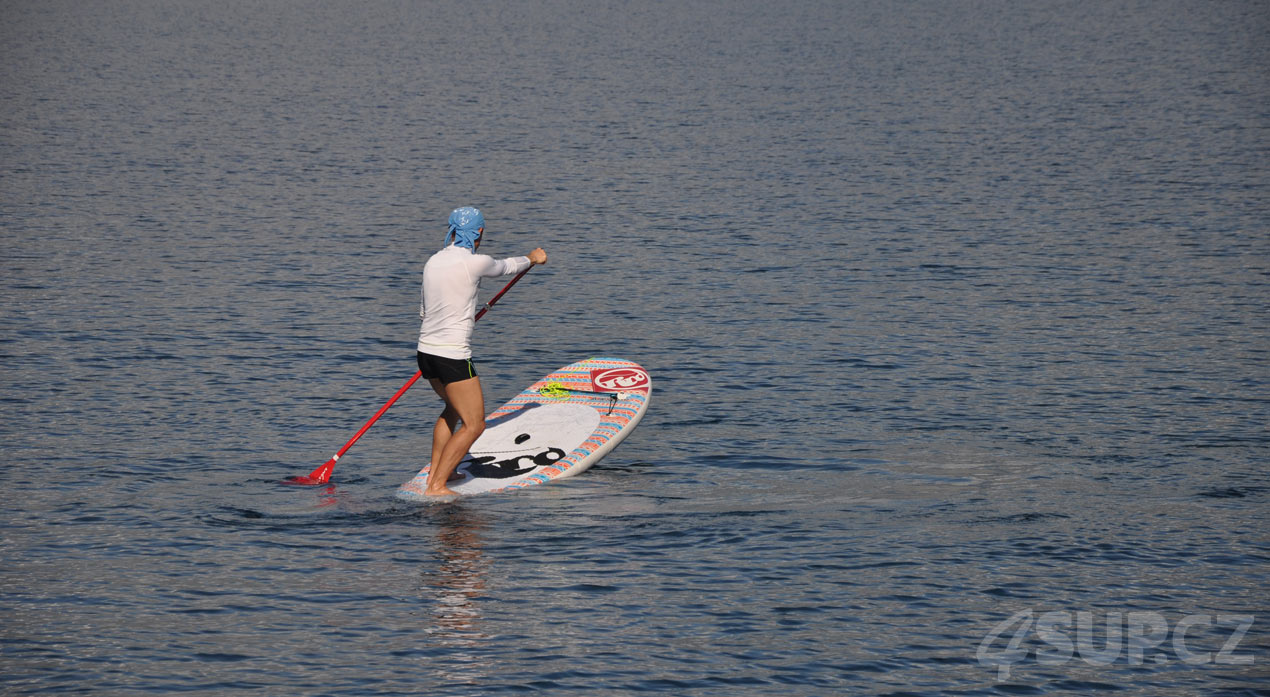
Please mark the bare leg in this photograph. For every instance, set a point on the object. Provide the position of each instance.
(447, 422)
(465, 400)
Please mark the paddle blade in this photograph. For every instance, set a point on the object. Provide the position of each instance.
(320, 475)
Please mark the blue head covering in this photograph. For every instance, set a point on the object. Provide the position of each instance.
(465, 227)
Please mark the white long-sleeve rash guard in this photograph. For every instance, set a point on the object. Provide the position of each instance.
(447, 302)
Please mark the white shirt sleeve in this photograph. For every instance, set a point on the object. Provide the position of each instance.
(489, 267)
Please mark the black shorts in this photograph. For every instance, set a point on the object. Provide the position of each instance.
(447, 370)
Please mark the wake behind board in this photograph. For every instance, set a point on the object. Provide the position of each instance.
(558, 427)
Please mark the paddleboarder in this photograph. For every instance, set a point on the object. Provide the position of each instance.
(447, 309)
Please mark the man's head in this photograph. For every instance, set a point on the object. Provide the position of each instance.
(466, 226)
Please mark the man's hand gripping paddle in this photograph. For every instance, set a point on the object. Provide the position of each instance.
(322, 474)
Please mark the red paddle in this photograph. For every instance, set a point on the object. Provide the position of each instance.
(322, 474)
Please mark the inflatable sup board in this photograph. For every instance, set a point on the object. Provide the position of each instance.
(558, 427)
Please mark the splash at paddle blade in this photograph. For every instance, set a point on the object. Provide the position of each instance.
(320, 475)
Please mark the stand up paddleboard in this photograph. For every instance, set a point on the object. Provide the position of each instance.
(558, 427)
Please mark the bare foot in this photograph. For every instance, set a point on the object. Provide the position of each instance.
(443, 492)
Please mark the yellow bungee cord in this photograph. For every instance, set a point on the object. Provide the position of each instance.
(554, 390)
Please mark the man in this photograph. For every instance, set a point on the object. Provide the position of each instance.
(448, 310)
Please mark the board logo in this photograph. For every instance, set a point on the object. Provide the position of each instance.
(485, 467)
(619, 379)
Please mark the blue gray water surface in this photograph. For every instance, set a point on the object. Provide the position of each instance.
(956, 312)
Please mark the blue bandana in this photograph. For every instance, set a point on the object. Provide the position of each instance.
(465, 227)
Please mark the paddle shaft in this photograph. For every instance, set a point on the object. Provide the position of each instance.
(500, 293)
(323, 473)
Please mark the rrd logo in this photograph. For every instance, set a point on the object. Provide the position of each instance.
(619, 379)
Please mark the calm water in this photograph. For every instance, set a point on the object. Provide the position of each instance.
(956, 311)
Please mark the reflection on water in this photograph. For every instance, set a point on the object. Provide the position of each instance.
(328, 497)
(450, 587)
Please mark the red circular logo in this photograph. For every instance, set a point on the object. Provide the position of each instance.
(620, 379)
